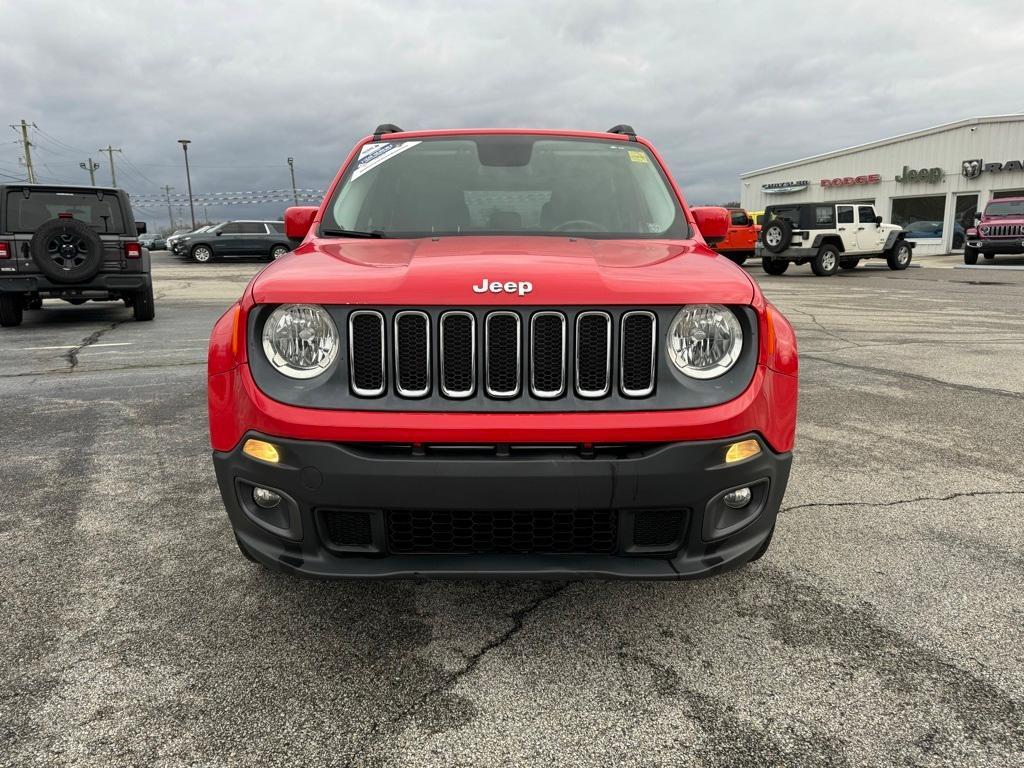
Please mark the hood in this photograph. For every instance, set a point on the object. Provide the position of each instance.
(551, 271)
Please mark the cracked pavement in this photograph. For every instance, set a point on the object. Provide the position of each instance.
(884, 626)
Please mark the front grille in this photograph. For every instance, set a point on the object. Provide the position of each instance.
(657, 527)
(558, 353)
(523, 532)
(1004, 230)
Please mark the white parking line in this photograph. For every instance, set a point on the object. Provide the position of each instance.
(75, 346)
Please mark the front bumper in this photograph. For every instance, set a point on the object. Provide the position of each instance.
(681, 483)
(997, 246)
(105, 283)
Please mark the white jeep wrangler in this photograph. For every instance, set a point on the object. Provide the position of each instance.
(828, 236)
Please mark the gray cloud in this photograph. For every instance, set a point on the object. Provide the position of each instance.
(719, 87)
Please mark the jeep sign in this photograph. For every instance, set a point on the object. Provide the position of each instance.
(930, 175)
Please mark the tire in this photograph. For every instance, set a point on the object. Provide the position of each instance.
(848, 263)
(774, 266)
(143, 306)
(776, 235)
(970, 255)
(10, 309)
(278, 251)
(826, 263)
(202, 254)
(36, 302)
(899, 256)
(67, 251)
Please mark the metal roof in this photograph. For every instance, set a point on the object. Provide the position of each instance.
(892, 140)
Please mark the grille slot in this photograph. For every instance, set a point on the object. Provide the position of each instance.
(547, 354)
(657, 527)
(366, 353)
(522, 531)
(503, 354)
(412, 354)
(593, 354)
(458, 354)
(636, 355)
(347, 528)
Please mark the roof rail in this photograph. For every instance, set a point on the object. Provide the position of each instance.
(383, 128)
(624, 130)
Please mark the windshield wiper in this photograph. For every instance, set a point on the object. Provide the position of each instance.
(353, 233)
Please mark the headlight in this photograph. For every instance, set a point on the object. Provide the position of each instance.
(984, 230)
(704, 340)
(300, 340)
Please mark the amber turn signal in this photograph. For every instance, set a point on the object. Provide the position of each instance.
(744, 449)
(262, 450)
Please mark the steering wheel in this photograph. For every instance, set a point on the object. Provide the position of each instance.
(588, 226)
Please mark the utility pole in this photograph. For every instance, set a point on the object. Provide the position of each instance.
(188, 178)
(28, 152)
(291, 166)
(91, 167)
(170, 213)
(110, 151)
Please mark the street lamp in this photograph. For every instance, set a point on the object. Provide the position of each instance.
(291, 167)
(188, 178)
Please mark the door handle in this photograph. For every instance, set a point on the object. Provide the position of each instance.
(842, 229)
(859, 228)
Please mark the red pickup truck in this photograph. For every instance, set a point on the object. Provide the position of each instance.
(503, 353)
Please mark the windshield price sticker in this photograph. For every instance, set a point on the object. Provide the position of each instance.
(372, 155)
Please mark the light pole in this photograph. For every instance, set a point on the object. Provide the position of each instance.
(91, 167)
(291, 167)
(188, 179)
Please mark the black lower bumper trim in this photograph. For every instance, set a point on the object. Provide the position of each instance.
(682, 484)
(120, 282)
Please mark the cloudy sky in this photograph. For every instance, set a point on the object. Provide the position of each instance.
(720, 87)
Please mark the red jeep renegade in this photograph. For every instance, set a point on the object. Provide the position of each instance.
(503, 353)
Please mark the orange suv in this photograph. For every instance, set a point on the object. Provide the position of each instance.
(741, 239)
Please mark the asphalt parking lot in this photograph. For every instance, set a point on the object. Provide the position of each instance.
(884, 627)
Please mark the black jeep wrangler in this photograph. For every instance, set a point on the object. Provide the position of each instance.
(71, 243)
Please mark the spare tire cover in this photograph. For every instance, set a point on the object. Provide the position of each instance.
(67, 251)
(776, 234)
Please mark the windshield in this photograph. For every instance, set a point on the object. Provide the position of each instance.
(491, 185)
(101, 211)
(1008, 208)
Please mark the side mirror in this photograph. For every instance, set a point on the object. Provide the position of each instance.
(977, 215)
(878, 219)
(218, 233)
(297, 221)
(140, 227)
(713, 223)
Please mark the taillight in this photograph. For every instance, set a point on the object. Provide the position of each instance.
(5, 250)
(132, 250)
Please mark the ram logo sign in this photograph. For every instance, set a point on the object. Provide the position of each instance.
(972, 169)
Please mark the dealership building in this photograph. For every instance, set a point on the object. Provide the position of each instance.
(930, 182)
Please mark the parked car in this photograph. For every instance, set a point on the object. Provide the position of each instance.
(158, 243)
(1000, 230)
(503, 353)
(741, 239)
(925, 230)
(173, 237)
(829, 237)
(235, 238)
(72, 243)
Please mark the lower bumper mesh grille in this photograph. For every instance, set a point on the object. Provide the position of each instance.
(526, 531)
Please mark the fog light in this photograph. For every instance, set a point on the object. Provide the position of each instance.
(267, 499)
(262, 450)
(744, 449)
(737, 499)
